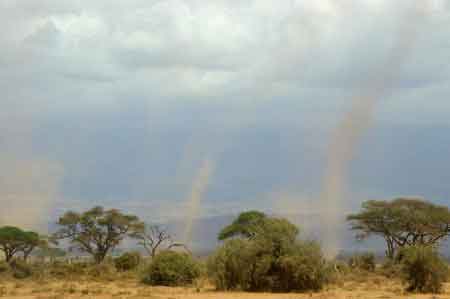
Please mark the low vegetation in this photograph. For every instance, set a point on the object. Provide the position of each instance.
(262, 253)
(363, 261)
(170, 268)
(128, 261)
(424, 269)
(257, 252)
(20, 269)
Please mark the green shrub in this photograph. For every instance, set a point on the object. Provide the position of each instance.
(424, 269)
(170, 268)
(229, 267)
(364, 261)
(127, 261)
(20, 269)
(303, 269)
(251, 265)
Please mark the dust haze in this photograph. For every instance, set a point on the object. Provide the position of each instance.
(198, 189)
(29, 183)
(357, 121)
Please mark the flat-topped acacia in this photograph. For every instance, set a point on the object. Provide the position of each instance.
(14, 240)
(97, 231)
(402, 222)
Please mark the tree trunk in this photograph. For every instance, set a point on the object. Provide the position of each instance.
(390, 253)
(99, 257)
(9, 255)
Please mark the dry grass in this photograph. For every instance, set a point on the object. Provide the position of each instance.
(373, 286)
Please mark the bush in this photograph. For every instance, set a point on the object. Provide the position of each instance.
(250, 265)
(127, 261)
(20, 269)
(424, 269)
(363, 261)
(242, 264)
(229, 266)
(170, 268)
(304, 269)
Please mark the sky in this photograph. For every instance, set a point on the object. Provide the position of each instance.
(119, 104)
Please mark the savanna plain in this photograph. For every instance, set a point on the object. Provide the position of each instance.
(370, 286)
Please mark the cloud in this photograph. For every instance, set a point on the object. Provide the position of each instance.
(216, 46)
(128, 84)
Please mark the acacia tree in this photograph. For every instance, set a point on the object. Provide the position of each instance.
(245, 225)
(97, 231)
(152, 237)
(402, 222)
(270, 232)
(14, 240)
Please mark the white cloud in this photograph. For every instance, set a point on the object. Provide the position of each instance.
(255, 61)
(221, 45)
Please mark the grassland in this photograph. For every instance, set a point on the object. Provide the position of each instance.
(353, 287)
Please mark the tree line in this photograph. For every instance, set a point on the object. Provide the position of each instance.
(96, 232)
(401, 222)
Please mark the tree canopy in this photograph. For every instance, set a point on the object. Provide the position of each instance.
(14, 240)
(97, 231)
(244, 225)
(274, 233)
(402, 222)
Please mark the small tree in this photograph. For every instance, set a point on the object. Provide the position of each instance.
(97, 231)
(402, 222)
(152, 237)
(14, 240)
